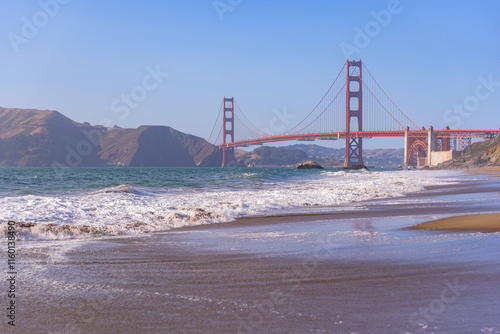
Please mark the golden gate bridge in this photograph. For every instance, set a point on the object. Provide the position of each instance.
(354, 107)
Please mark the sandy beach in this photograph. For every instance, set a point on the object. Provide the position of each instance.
(355, 269)
(478, 222)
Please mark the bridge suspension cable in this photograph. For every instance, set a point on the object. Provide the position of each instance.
(218, 136)
(324, 110)
(329, 114)
(381, 104)
(215, 125)
(389, 98)
(246, 127)
(264, 134)
(317, 105)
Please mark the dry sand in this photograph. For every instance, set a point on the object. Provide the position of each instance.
(485, 170)
(489, 222)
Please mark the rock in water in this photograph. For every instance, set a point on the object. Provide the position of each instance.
(309, 165)
(357, 167)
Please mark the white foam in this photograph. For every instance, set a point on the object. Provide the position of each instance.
(125, 209)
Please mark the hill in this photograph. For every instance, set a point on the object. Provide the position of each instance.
(30, 137)
(335, 156)
(328, 157)
(481, 154)
(270, 156)
(157, 146)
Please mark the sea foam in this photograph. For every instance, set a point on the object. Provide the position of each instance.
(129, 210)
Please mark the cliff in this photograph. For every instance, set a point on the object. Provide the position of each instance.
(154, 146)
(481, 154)
(30, 137)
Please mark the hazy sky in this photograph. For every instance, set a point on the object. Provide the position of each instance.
(438, 60)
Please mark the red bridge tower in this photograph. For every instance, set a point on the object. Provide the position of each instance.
(353, 109)
(228, 133)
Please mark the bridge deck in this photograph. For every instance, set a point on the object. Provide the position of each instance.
(484, 134)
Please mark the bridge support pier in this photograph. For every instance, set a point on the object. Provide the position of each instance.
(416, 147)
(420, 144)
(406, 147)
(431, 145)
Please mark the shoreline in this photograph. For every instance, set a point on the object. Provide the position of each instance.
(373, 208)
(358, 270)
(464, 187)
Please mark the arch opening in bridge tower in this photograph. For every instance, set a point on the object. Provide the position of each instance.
(354, 104)
(354, 86)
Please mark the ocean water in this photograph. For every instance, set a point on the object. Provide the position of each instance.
(88, 202)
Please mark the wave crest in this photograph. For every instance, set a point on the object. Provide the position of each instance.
(122, 188)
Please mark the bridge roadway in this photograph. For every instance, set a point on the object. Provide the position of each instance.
(484, 134)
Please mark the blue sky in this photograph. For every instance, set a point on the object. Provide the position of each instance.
(83, 56)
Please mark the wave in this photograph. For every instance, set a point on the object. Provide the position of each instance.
(126, 210)
(123, 188)
(51, 231)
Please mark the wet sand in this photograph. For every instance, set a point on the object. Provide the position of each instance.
(359, 270)
(481, 222)
(478, 222)
(136, 289)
